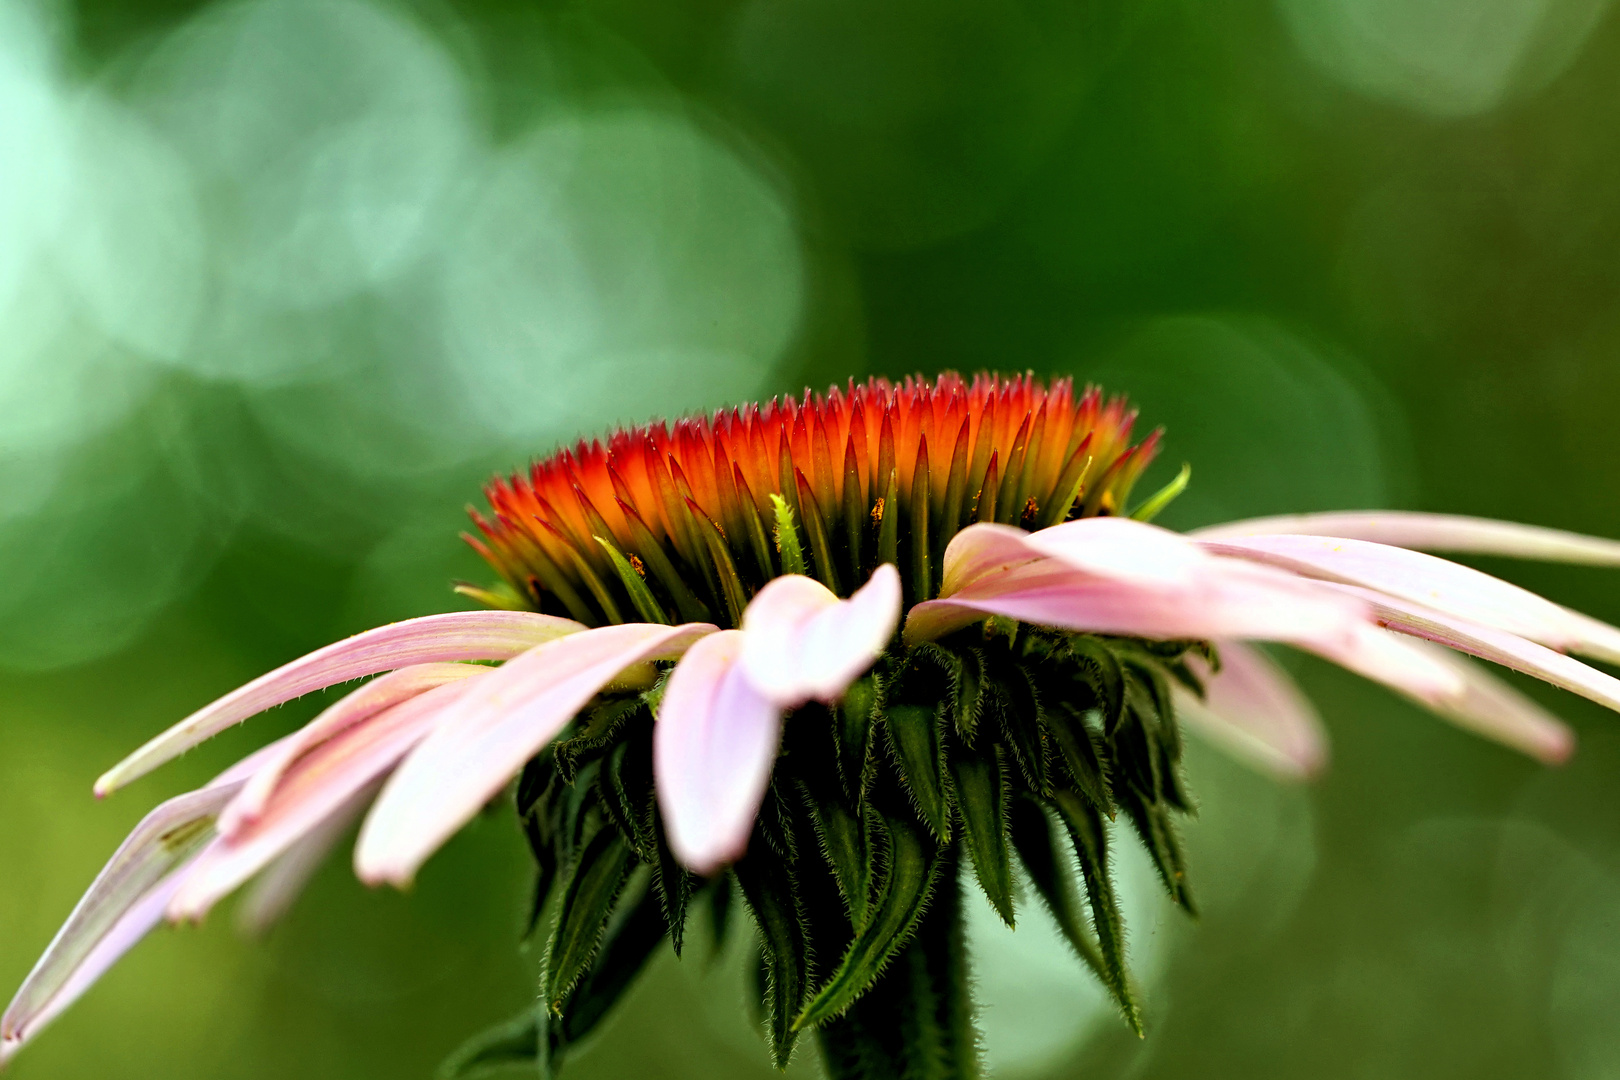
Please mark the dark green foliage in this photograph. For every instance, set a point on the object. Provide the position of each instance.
(916, 736)
(588, 900)
(981, 797)
(915, 1022)
(955, 754)
(912, 865)
(768, 887)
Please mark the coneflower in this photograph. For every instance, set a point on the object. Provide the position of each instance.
(836, 656)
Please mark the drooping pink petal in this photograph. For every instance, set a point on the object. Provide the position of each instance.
(317, 787)
(113, 914)
(1433, 582)
(458, 635)
(1253, 709)
(125, 932)
(1498, 646)
(1490, 707)
(1431, 532)
(487, 736)
(1229, 600)
(274, 891)
(802, 643)
(372, 698)
(713, 749)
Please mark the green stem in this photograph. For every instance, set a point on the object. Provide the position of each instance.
(916, 1021)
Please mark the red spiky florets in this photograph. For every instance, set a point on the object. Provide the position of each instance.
(683, 521)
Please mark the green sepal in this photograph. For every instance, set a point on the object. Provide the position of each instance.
(1102, 672)
(853, 717)
(599, 875)
(768, 886)
(1020, 710)
(522, 1042)
(913, 868)
(720, 906)
(626, 780)
(981, 799)
(845, 839)
(641, 597)
(602, 725)
(919, 754)
(965, 672)
(625, 949)
(673, 883)
(1048, 868)
(1153, 825)
(786, 534)
(1079, 755)
(1090, 840)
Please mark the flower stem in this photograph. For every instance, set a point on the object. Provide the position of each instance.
(916, 1021)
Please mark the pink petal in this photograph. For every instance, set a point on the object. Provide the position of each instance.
(1498, 646)
(459, 635)
(1433, 582)
(802, 643)
(1121, 549)
(1228, 600)
(982, 550)
(487, 736)
(713, 749)
(1490, 707)
(319, 786)
(1253, 709)
(126, 931)
(372, 698)
(275, 890)
(116, 910)
(1432, 532)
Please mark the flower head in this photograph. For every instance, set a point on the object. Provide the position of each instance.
(837, 651)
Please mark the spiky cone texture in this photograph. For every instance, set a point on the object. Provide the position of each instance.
(856, 747)
(682, 523)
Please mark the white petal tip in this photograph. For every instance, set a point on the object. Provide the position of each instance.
(1557, 748)
(105, 785)
(8, 1049)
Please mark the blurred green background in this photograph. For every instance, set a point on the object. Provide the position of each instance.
(282, 281)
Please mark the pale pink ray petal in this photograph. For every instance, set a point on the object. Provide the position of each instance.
(1489, 707)
(1229, 600)
(274, 891)
(1253, 709)
(319, 785)
(1432, 532)
(372, 698)
(67, 985)
(1387, 658)
(981, 550)
(802, 643)
(713, 749)
(487, 736)
(1121, 549)
(1434, 582)
(458, 635)
(164, 840)
(1498, 646)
